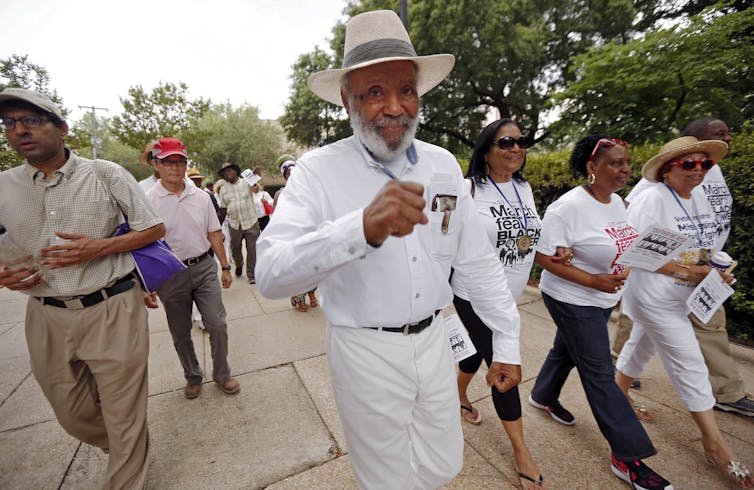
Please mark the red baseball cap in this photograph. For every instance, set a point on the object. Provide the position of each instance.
(165, 147)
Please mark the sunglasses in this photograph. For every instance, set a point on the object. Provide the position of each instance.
(690, 165)
(507, 142)
(606, 142)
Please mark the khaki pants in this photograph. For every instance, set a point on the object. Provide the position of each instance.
(91, 364)
(727, 384)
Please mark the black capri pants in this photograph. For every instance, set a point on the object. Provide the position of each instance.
(508, 404)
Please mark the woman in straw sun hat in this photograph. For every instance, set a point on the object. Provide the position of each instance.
(656, 300)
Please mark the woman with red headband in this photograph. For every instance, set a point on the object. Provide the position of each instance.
(656, 300)
(593, 222)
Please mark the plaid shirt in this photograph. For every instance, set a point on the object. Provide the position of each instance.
(238, 199)
(74, 201)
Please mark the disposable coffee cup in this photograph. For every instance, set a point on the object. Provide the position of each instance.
(721, 261)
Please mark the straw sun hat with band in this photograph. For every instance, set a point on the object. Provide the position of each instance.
(714, 149)
(379, 37)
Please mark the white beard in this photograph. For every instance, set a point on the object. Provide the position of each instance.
(375, 143)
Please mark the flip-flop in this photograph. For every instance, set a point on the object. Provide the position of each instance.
(642, 412)
(735, 471)
(470, 417)
(526, 478)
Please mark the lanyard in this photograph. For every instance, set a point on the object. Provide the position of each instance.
(523, 211)
(696, 213)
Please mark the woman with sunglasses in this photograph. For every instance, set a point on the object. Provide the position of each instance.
(505, 204)
(592, 221)
(656, 301)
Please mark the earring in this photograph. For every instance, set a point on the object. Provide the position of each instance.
(590, 179)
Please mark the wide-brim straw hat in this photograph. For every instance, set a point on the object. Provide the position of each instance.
(714, 149)
(378, 37)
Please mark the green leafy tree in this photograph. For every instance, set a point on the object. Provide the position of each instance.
(234, 134)
(510, 55)
(651, 87)
(308, 119)
(166, 111)
(18, 71)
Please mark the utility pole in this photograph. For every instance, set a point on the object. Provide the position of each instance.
(403, 12)
(96, 140)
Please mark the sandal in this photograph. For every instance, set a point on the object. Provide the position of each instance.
(734, 471)
(526, 479)
(642, 412)
(313, 300)
(299, 304)
(468, 415)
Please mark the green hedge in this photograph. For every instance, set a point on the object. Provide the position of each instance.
(550, 177)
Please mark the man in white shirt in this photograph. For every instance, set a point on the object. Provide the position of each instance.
(727, 384)
(377, 220)
(193, 232)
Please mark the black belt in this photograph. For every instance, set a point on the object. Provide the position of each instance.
(198, 258)
(121, 285)
(410, 328)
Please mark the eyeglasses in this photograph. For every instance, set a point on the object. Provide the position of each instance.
(690, 165)
(607, 142)
(168, 163)
(507, 142)
(29, 122)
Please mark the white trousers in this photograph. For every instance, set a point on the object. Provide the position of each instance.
(679, 351)
(398, 403)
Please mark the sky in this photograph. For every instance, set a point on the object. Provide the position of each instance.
(235, 50)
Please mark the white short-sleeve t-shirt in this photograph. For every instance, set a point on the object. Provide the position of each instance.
(597, 232)
(503, 221)
(650, 295)
(715, 190)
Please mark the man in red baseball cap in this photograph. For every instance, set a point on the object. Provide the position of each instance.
(193, 232)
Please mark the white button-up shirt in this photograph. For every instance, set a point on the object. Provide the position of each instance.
(316, 238)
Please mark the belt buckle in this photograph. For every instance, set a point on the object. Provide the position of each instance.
(406, 328)
(192, 261)
(74, 304)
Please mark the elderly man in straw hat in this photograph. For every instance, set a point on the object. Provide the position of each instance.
(377, 220)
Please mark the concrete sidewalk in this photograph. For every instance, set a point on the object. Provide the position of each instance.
(282, 431)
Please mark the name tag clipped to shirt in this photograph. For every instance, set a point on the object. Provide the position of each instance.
(446, 204)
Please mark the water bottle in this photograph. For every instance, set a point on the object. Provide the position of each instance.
(11, 255)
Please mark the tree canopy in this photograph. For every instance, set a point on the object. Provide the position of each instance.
(510, 57)
(165, 111)
(647, 88)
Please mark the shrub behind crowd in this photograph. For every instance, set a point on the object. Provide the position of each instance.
(550, 177)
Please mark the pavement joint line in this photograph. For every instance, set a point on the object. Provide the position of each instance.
(487, 460)
(15, 389)
(22, 427)
(335, 446)
(68, 468)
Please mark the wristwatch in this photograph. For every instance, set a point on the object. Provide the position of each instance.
(226, 267)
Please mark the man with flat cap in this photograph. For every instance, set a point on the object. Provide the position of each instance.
(377, 220)
(237, 200)
(86, 325)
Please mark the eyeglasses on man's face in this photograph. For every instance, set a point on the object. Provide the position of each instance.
(178, 162)
(29, 122)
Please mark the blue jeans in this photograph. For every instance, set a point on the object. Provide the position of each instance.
(582, 341)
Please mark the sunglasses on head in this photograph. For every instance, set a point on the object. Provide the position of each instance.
(507, 142)
(606, 142)
(690, 165)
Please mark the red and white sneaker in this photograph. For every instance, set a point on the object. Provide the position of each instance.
(638, 475)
